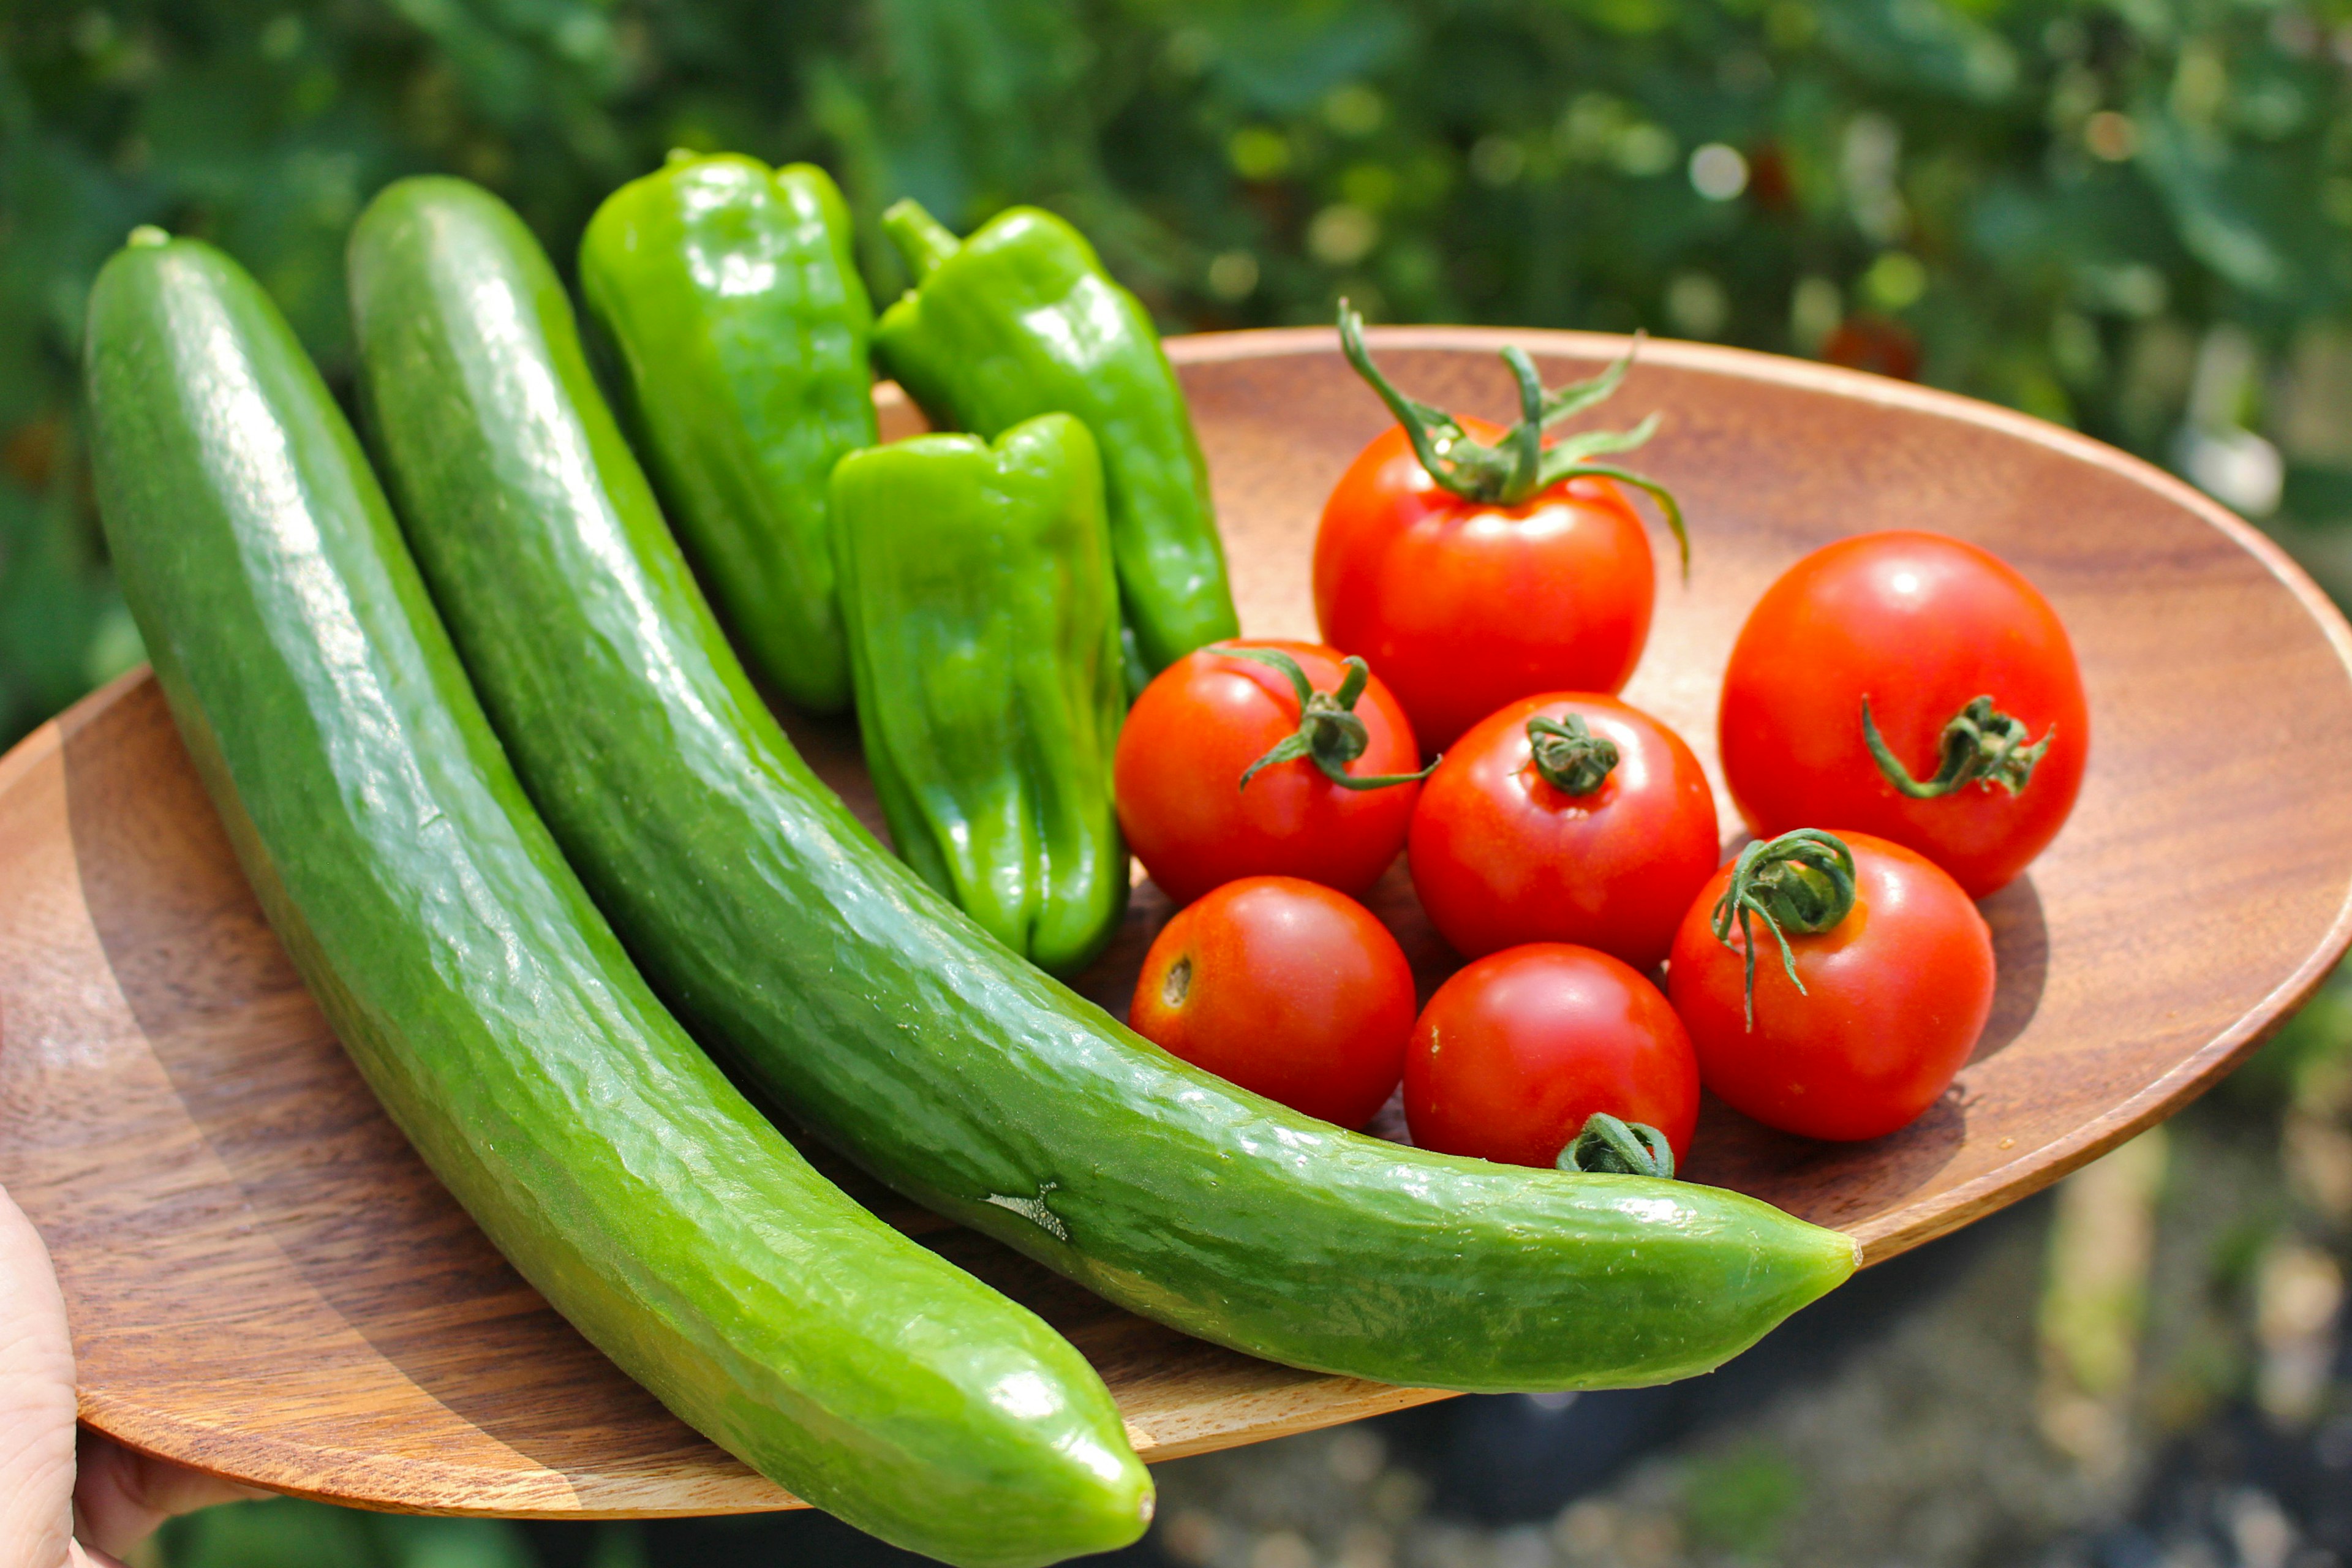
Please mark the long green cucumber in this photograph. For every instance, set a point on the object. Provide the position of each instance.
(889, 1021)
(489, 1005)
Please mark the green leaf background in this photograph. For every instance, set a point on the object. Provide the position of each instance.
(2133, 218)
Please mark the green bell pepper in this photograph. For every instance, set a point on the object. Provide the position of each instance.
(983, 635)
(1021, 320)
(731, 296)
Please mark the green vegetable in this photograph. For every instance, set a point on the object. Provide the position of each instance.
(886, 1019)
(984, 628)
(491, 1007)
(1021, 320)
(730, 295)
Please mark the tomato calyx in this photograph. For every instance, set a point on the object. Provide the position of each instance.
(1330, 734)
(1608, 1145)
(1520, 466)
(1569, 756)
(1980, 744)
(1801, 881)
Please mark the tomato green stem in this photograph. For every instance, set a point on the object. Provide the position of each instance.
(1628, 1148)
(1329, 733)
(1980, 744)
(1801, 881)
(1521, 465)
(1570, 756)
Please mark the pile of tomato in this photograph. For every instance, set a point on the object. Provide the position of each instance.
(1902, 728)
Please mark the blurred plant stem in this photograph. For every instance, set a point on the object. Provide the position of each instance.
(2094, 1303)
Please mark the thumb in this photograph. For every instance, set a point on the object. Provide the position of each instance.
(37, 1403)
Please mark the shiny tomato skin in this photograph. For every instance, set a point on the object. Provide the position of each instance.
(1200, 725)
(1286, 988)
(1500, 856)
(1922, 625)
(1462, 607)
(1896, 997)
(1518, 1048)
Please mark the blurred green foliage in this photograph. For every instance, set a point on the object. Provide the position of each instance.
(2133, 216)
(283, 1532)
(1738, 1501)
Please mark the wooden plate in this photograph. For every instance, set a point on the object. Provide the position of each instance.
(265, 1283)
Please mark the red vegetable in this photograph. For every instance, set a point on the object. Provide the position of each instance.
(1564, 818)
(1517, 1053)
(1853, 1027)
(1472, 566)
(1967, 678)
(1230, 765)
(1286, 988)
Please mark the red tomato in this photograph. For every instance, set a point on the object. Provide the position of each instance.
(1921, 625)
(1501, 855)
(1202, 724)
(1463, 606)
(1518, 1050)
(1894, 996)
(1288, 989)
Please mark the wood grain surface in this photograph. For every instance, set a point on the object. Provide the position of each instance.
(265, 1282)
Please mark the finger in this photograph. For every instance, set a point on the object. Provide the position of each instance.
(37, 1402)
(120, 1496)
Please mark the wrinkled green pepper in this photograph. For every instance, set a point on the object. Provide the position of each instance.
(1021, 320)
(983, 611)
(731, 297)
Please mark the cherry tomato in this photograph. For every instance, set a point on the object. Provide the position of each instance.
(1288, 989)
(1530, 832)
(1896, 993)
(1205, 720)
(1921, 626)
(1463, 606)
(1519, 1047)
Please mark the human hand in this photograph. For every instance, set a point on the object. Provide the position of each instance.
(66, 1497)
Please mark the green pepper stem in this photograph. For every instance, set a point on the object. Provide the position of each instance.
(1520, 466)
(1570, 756)
(922, 241)
(1622, 1147)
(1329, 733)
(1980, 744)
(1801, 881)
